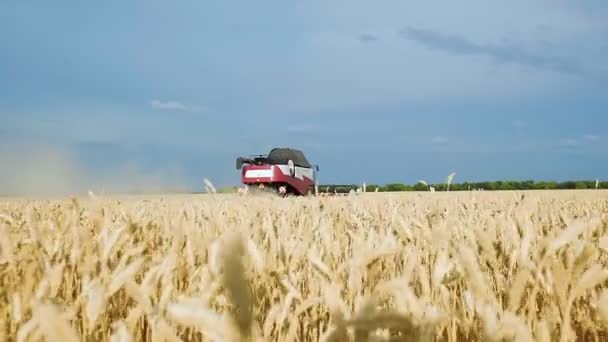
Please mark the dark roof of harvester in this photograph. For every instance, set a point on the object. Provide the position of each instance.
(281, 155)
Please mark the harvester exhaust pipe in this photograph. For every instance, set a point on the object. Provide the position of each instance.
(240, 161)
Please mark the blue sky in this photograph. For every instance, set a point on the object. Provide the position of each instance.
(389, 91)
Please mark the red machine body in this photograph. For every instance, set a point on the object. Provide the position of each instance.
(284, 170)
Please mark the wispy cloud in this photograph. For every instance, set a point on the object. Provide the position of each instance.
(504, 52)
(301, 128)
(570, 142)
(579, 142)
(175, 105)
(367, 38)
(592, 137)
(520, 124)
(439, 140)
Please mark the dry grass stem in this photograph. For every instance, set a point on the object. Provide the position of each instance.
(443, 266)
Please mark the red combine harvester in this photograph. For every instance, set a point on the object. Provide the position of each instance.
(284, 171)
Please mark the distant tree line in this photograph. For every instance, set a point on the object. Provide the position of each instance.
(468, 186)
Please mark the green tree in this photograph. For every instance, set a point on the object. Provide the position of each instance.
(395, 187)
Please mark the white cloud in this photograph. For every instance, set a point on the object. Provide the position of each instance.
(439, 140)
(591, 137)
(579, 142)
(175, 105)
(300, 128)
(570, 142)
(519, 124)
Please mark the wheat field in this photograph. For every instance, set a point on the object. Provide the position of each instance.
(471, 266)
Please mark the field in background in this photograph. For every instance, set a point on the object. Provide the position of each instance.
(475, 266)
